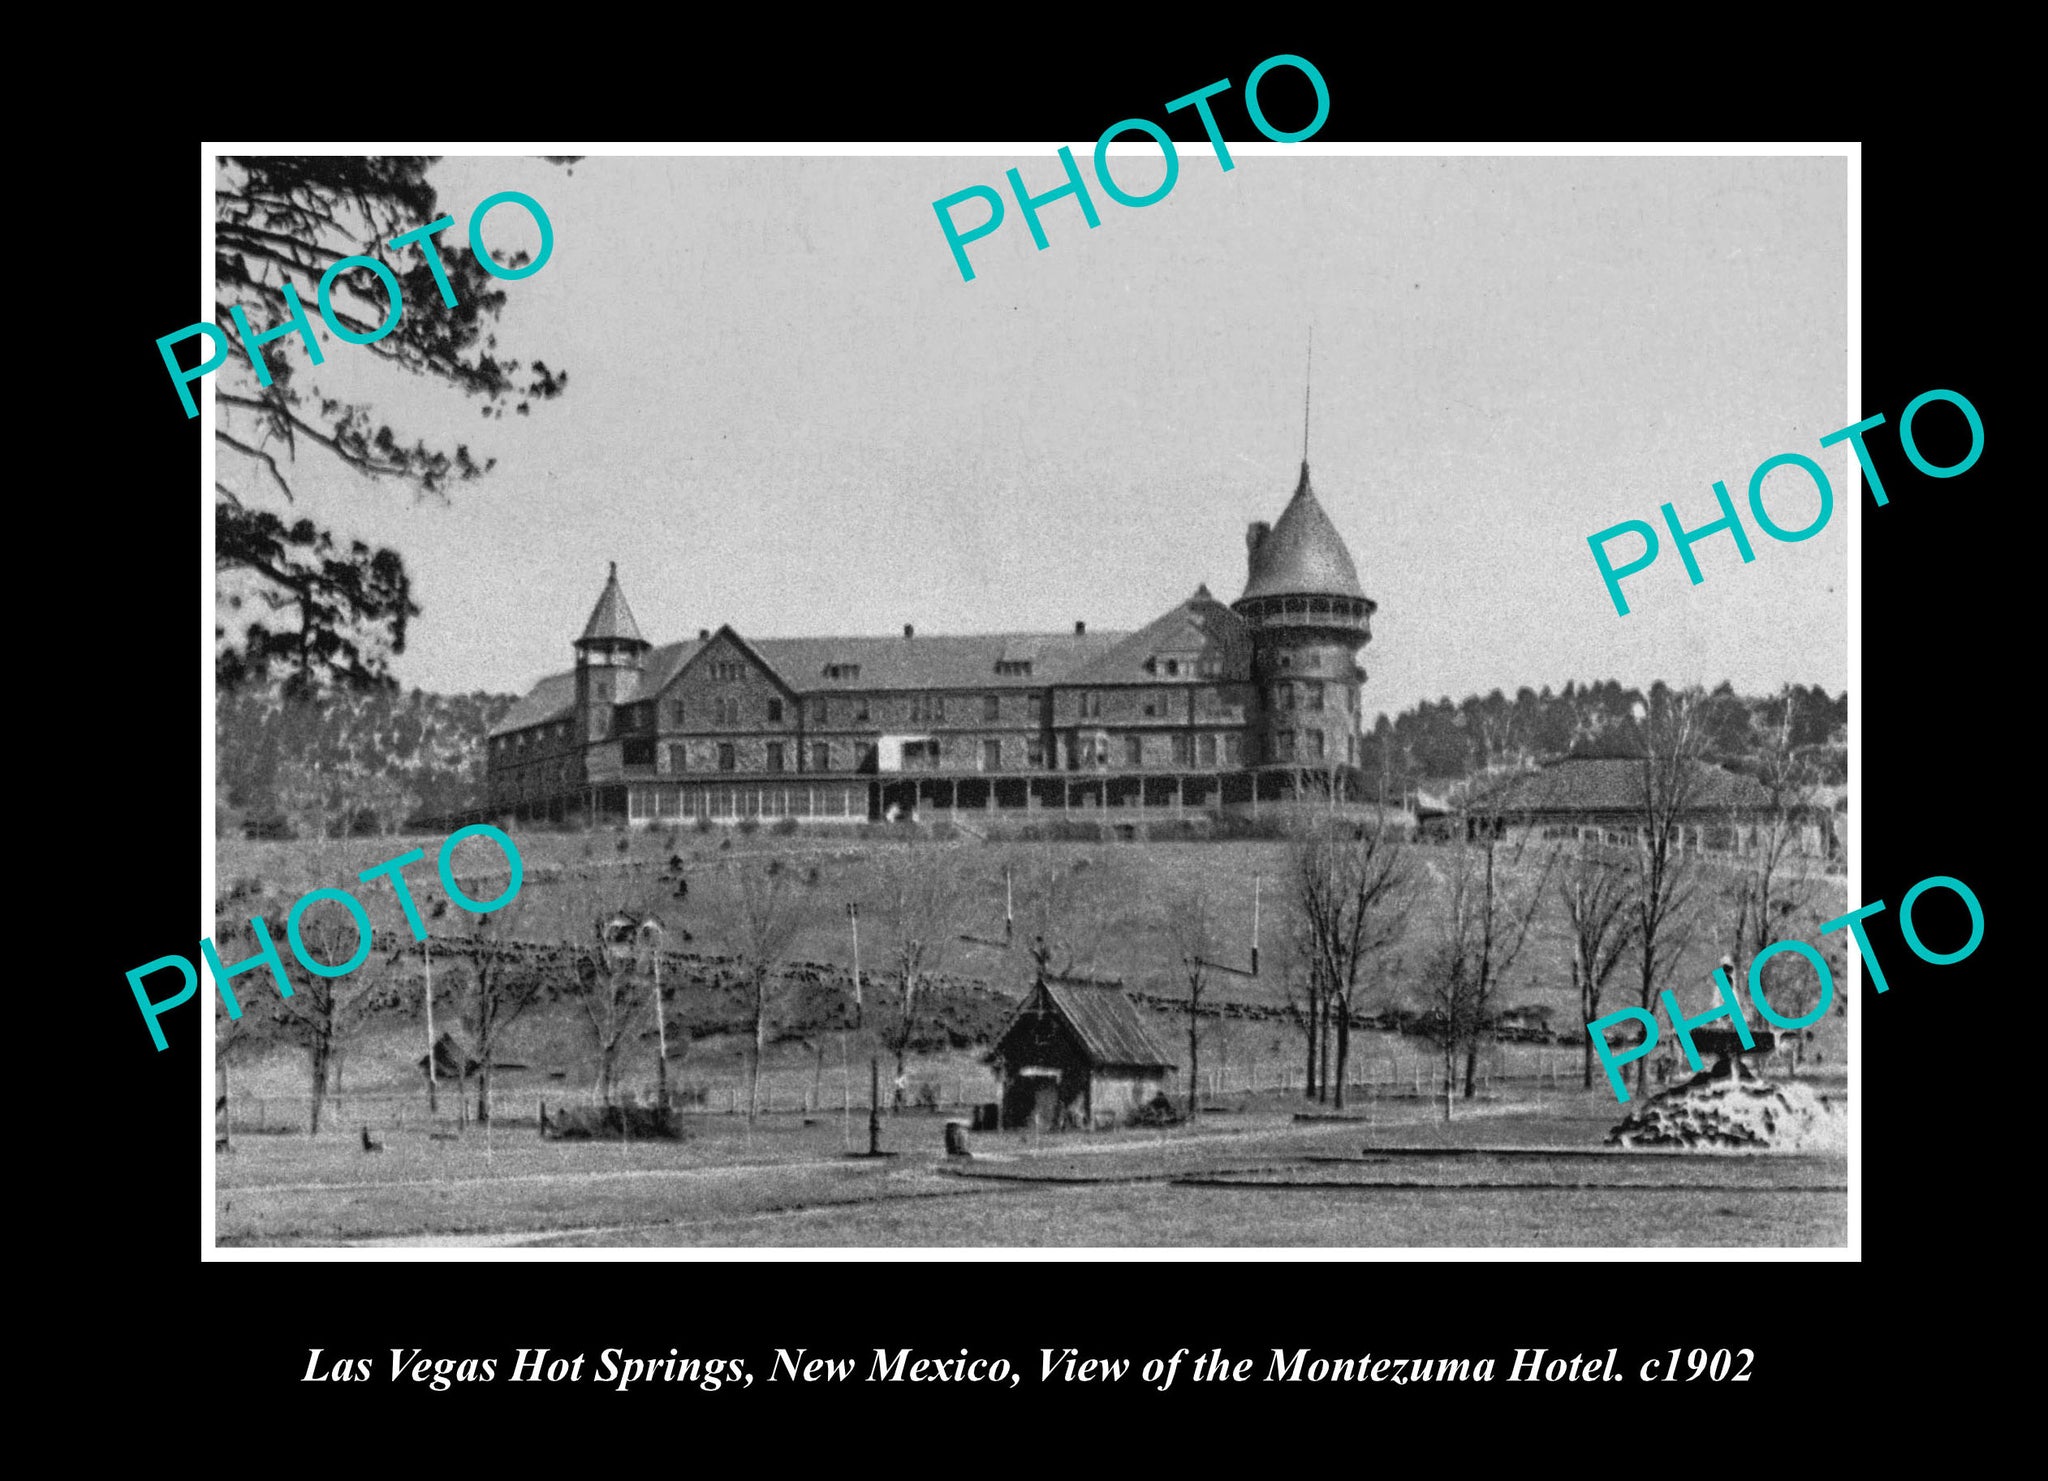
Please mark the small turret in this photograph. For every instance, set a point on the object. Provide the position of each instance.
(608, 658)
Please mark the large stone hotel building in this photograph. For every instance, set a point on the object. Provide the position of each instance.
(1208, 707)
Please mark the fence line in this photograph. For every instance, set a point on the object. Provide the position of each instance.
(786, 1093)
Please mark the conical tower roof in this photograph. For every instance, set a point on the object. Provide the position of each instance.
(611, 619)
(1303, 555)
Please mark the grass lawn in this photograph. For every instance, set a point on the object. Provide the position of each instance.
(1503, 1172)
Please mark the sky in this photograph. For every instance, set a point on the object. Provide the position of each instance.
(787, 411)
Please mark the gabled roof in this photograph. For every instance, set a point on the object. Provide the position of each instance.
(611, 618)
(1200, 625)
(1588, 784)
(553, 698)
(1106, 1024)
(1303, 555)
(936, 662)
(664, 663)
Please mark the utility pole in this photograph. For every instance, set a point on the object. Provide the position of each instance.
(427, 952)
(660, 1018)
(874, 1060)
(1255, 925)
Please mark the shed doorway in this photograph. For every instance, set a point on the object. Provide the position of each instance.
(1031, 1100)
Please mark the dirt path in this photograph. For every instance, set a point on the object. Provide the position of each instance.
(591, 1175)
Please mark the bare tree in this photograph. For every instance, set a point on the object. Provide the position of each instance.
(1595, 886)
(768, 917)
(1770, 887)
(1190, 932)
(1352, 891)
(1495, 892)
(503, 985)
(322, 1009)
(919, 909)
(608, 991)
(1670, 775)
(1076, 905)
(1301, 988)
(229, 1034)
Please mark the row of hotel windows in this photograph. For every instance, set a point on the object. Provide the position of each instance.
(929, 709)
(644, 803)
(1185, 750)
(925, 709)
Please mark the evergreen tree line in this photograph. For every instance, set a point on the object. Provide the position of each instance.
(348, 763)
(1440, 741)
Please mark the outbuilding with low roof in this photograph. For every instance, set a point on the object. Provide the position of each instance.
(1077, 1055)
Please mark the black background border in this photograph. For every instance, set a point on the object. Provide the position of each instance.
(1935, 270)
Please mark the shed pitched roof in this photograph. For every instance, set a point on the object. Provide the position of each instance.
(1106, 1023)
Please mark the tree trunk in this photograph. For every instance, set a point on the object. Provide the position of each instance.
(1450, 1074)
(1471, 1065)
(1308, 1078)
(1194, 1059)
(1342, 1004)
(1586, 1015)
(760, 1041)
(874, 1106)
(483, 1086)
(318, 1081)
(902, 1045)
(1323, 1071)
(1648, 1006)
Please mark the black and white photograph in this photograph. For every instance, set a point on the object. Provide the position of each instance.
(736, 733)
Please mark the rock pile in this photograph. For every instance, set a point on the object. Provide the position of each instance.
(1731, 1106)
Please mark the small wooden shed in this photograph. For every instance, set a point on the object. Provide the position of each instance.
(1077, 1055)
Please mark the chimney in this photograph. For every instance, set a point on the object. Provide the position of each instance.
(1080, 629)
(1254, 536)
(703, 634)
(909, 631)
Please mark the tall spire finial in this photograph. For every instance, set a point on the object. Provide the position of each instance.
(615, 571)
(1306, 385)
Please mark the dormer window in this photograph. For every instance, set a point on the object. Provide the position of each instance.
(1014, 668)
(842, 671)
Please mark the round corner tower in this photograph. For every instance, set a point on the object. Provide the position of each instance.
(1308, 619)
